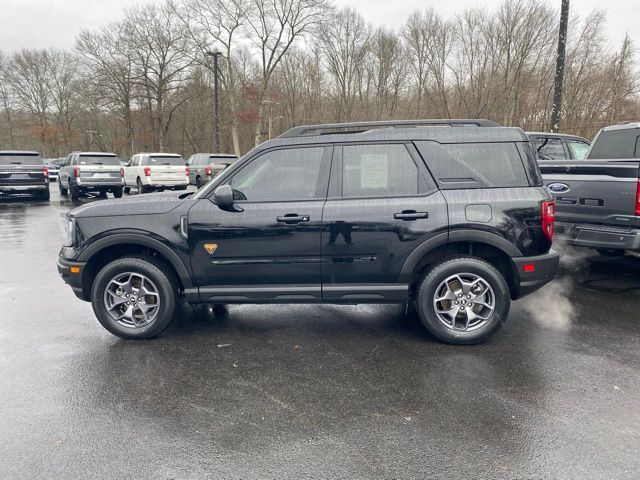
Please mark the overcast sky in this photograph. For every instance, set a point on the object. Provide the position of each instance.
(54, 23)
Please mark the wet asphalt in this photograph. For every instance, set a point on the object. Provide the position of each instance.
(296, 391)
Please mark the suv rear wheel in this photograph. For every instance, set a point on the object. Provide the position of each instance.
(63, 191)
(134, 297)
(463, 300)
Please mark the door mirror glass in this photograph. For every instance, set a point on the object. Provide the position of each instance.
(223, 197)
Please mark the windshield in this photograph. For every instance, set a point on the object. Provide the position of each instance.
(18, 159)
(175, 161)
(99, 160)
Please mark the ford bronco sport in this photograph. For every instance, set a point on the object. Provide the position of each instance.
(448, 214)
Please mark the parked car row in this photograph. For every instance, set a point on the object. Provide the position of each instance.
(101, 173)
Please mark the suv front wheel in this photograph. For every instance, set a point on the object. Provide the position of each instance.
(134, 297)
(463, 300)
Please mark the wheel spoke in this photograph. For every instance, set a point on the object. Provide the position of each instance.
(138, 292)
(464, 301)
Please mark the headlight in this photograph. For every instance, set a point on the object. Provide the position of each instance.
(69, 232)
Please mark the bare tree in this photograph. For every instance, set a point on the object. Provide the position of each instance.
(344, 42)
(6, 98)
(109, 69)
(215, 25)
(273, 27)
(160, 65)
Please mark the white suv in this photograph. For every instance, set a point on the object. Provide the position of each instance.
(155, 171)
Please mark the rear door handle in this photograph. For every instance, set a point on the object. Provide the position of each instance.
(409, 215)
(292, 218)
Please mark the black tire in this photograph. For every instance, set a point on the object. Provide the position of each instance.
(63, 191)
(219, 309)
(117, 193)
(44, 195)
(102, 194)
(163, 278)
(73, 192)
(437, 274)
(198, 183)
(610, 252)
(127, 190)
(141, 188)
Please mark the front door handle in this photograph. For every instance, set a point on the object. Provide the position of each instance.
(409, 215)
(292, 218)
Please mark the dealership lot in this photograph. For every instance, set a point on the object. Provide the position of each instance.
(296, 391)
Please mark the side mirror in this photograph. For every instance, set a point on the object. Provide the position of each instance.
(223, 197)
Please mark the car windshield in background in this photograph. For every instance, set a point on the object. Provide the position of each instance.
(99, 160)
(20, 160)
(175, 161)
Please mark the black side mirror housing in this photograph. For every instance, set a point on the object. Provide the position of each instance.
(223, 198)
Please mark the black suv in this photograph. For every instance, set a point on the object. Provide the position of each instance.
(448, 214)
(23, 172)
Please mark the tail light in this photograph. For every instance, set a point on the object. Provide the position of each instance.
(208, 170)
(147, 171)
(638, 199)
(45, 172)
(186, 171)
(76, 172)
(548, 218)
(121, 172)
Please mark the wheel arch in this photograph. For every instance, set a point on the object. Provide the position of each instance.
(487, 246)
(104, 250)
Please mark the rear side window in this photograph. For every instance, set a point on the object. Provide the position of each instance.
(578, 149)
(98, 160)
(18, 159)
(474, 165)
(615, 144)
(378, 171)
(550, 149)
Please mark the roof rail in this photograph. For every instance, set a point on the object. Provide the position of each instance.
(359, 127)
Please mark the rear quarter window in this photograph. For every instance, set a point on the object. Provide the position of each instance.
(615, 144)
(474, 165)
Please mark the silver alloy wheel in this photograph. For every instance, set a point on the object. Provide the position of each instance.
(132, 300)
(464, 302)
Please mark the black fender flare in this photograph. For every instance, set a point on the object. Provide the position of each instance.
(142, 240)
(464, 235)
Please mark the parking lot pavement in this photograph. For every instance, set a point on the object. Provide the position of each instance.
(313, 391)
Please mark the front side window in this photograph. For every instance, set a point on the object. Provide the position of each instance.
(281, 175)
(550, 149)
(378, 171)
(578, 149)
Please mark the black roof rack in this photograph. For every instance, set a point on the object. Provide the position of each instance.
(360, 127)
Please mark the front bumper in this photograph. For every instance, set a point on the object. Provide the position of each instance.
(534, 272)
(598, 236)
(71, 272)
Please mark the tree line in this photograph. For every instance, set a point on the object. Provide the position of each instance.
(145, 82)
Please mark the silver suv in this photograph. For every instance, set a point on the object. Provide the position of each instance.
(204, 166)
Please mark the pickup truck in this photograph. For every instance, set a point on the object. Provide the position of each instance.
(598, 199)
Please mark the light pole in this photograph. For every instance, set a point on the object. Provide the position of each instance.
(557, 83)
(216, 121)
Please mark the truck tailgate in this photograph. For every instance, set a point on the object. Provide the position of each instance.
(593, 192)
